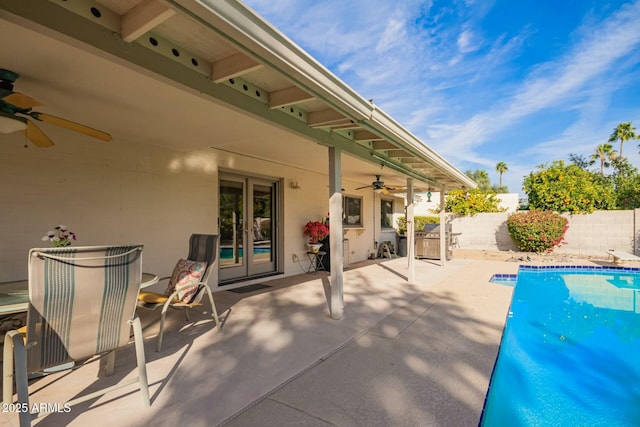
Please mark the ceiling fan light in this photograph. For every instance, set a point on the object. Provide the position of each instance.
(10, 124)
(378, 190)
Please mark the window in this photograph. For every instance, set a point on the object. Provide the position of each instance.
(352, 211)
(386, 213)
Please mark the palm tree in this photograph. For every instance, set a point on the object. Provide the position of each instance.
(623, 132)
(501, 168)
(481, 177)
(605, 153)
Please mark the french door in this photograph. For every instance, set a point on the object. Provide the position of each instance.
(248, 217)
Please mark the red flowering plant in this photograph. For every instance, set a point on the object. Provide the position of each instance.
(316, 231)
(537, 231)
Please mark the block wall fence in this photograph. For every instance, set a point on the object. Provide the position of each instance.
(588, 234)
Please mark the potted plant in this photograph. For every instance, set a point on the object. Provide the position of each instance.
(315, 231)
(60, 236)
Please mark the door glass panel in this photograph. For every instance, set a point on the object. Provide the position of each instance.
(262, 224)
(231, 223)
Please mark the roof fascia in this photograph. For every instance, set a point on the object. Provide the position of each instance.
(249, 32)
(405, 140)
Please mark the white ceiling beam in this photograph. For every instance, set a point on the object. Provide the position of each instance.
(412, 161)
(399, 153)
(350, 124)
(233, 66)
(142, 18)
(383, 145)
(289, 96)
(337, 125)
(432, 173)
(365, 135)
(326, 118)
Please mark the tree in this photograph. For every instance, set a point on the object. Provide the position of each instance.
(501, 168)
(567, 188)
(579, 160)
(605, 153)
(471, 202)
(627, 184)
(623, 132)
(481, 177)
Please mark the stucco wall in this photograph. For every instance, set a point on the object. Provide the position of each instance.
(589, 234)
(483, 231)
(113, 193)
(125, 192)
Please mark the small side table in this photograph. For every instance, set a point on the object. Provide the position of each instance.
(315, 261)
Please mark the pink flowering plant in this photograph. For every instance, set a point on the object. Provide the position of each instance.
(60, 236)
(537, 231)
(316, 231)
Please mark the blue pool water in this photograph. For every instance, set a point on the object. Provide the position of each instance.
(227, 253)
(570, 352)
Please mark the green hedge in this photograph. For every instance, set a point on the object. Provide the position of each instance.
(420, 222)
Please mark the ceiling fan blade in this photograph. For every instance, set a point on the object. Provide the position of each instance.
(366, 186)
(20, 100)
(36, 135)
(68, 124)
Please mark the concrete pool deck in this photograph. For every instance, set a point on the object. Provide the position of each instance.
(409, 354)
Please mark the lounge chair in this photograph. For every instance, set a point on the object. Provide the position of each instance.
(188, 283)
(82, 303)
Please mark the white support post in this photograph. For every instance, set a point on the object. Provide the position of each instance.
(335, 232)
(411, 235)
(443, 225)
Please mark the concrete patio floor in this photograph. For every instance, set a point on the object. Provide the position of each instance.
(409, 354)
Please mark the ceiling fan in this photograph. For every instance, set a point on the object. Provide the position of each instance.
(16, 115)
(379, 187)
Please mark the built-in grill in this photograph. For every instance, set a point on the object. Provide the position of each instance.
(428, 242)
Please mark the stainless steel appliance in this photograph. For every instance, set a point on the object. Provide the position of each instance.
(428, 242)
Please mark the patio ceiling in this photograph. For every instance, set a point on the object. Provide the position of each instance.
(196, 74)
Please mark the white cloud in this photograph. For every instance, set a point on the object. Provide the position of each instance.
(394, 34)
(467, 41)
(554, 84)
(456, 86)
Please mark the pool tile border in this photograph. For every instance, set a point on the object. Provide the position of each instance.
(576, 267)
(503, 277)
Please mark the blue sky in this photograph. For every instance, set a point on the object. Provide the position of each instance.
(483, 81)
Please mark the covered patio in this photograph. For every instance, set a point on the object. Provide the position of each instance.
(405, 354)
(220, 125)
(205, 101)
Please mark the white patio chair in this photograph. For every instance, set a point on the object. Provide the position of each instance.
(188, 283)
(82, 303)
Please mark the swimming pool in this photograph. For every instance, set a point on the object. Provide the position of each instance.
(227, 253)
(570, 351)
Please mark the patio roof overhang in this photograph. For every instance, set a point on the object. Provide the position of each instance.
(221, 53)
